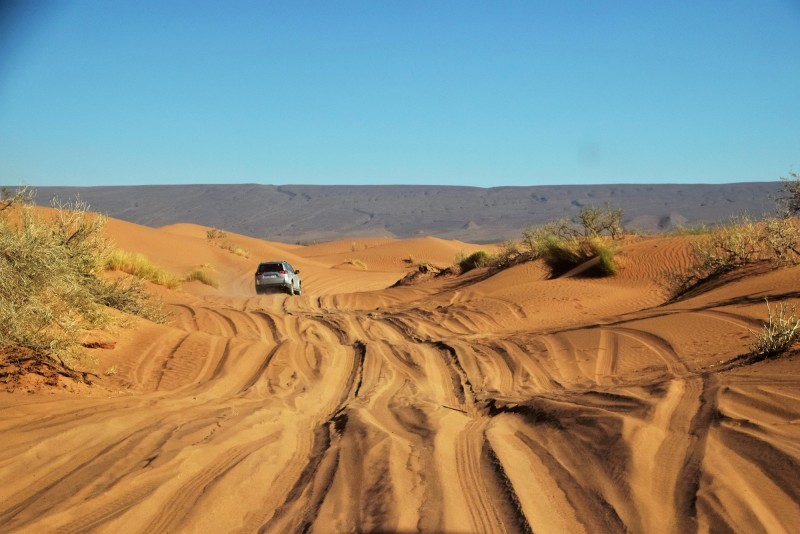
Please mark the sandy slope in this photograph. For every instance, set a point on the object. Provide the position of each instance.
(474, 404)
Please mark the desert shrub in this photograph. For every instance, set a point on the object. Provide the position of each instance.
(730, 247)
(559, 254)
(130, 296)
(790, 199)
(239, 251)
(140, 266)
(600, 221)
(605, 253)
(535, 239)
(201, 276)
(509, 253)
(51, 284)
(357, 263)
(562, 255)
(410, 260)
(214, 233)
(563, 246)
(591, 222)
(476, 260)
(779, 332)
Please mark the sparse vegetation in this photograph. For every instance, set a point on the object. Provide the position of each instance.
(214, 233)
(141, 267)
(742, 243)
(214, 236)
(509, 253)
(596, 222)
(565, 244)
(239, 251)
(778, 334)
(790, 201)
(355, 262)
(202, 276)
(605, 253)
(51, 280)
(476, 260)
(562, 255)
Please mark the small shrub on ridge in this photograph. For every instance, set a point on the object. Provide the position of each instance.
(201, 276)
(476, 260)
(778, 334)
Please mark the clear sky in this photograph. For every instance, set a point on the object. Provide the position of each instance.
(99, 92)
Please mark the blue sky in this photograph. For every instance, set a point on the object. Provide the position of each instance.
(96, 92)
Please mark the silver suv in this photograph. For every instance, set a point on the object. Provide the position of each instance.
(278, 276)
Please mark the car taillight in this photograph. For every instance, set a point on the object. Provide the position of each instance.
(283, 272)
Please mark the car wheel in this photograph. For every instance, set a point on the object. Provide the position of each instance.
(299, 290)
(290, 290)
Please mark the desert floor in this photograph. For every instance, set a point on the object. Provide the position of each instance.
(477, 403)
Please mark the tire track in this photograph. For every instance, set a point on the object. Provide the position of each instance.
(262, 369)
(607, 353)
(659, 346)
(174, 511)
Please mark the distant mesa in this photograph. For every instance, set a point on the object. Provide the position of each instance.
(323, 213)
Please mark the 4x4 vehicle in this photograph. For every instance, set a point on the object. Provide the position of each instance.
(278, 276)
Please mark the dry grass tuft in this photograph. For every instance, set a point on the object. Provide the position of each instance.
(140, 266)
(357, 263)
(778, 334)
(202, 276)
(239, 251)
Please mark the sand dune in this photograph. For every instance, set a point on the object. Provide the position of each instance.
(478, 403)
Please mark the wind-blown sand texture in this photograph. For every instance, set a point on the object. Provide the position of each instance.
(504, 403)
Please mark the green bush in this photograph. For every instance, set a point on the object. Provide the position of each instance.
(566, 243)
(607, 266)
(476, 260)
(51, 283)
(559, 254)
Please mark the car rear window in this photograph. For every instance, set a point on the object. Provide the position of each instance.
(270, 267)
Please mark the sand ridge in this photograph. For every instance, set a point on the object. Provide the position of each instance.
(480, 403)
